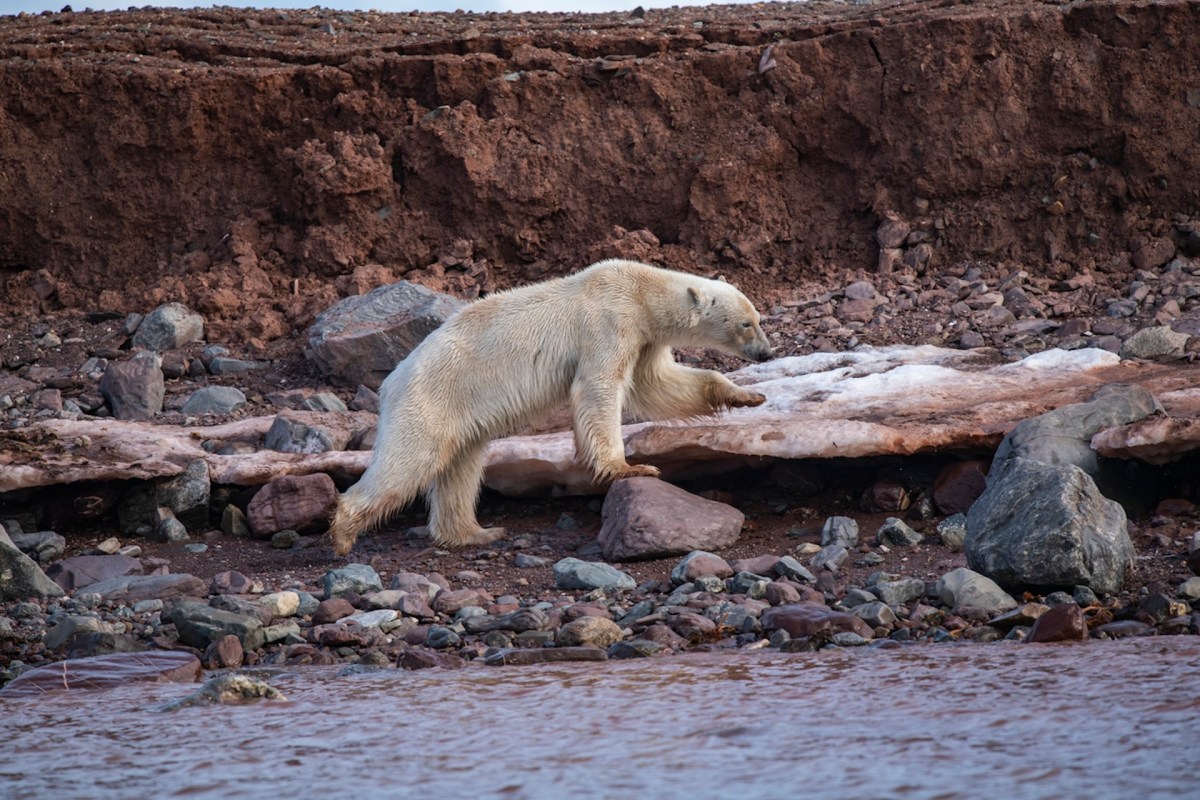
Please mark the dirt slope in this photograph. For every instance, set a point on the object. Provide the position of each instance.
(243, 161)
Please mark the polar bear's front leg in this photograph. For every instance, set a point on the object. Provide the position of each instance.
(596, 408)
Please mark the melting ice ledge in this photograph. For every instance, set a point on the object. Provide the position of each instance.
(897, 400)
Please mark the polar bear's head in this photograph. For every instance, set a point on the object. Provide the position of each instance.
(723, 319)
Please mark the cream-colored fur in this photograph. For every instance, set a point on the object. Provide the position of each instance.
(599, 339)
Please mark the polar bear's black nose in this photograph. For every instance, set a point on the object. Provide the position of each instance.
(763, 354)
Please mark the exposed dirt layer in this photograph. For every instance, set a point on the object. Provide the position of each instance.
(246, 162)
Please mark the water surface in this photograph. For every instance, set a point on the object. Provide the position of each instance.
(1097, 720)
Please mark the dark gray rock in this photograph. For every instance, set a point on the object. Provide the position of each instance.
(41, 546)
(1048, 527)
(134, 388)
(80, 571)
(572, 573)
(168, 327)
(953, 531)
(895, 533)
(21, 578)
(899, 591)
(1156, 342)
(288, 435)
(788, 567)
(830, 558)
(200, 625)
(1064, 435)
(840, 531)
(357, 578)
(362, 338)
(214, 400)
(649, 518)
(186, 495)
(232, 366)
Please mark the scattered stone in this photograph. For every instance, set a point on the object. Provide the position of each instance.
(546, 655)
(1025, 614)
(279, 604)
(214, 400)
(80, 571)
(200, 625)
(289, 435)
(356, 578)
(1048, 526)
(450, 602)
(526, 561)
(830, 558)
(134, 388)
(895, 533)
(1122, 629)
(698, 563)
(959, 485)
(132, 588)
(1157, 342)
(953, 531)
(841, 531)
(899, 591)
(230, 582)
(876, 614)
(572, 573)
(790, 568)
(233, 521)
(187, 496)
(370, 619)
(802, 620)
(225, 653)
(232, 366)
(1062, 623)
(41, 546)
(649, 518)
(169, 327)
(68, 628)
(636, 648)
(331, 610)
(1189, 589)
(963, 587)
(590, 631)
(21, 578)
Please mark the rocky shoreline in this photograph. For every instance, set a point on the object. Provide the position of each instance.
(821, 553)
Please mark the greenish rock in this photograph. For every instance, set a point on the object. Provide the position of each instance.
(199, 625)
(572, 573)
(21, 578)
(356, 578)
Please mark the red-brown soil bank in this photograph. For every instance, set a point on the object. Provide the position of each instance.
(242, 161)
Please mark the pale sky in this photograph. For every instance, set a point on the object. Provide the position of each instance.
(37, 6)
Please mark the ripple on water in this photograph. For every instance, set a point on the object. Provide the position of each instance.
(1097, 720)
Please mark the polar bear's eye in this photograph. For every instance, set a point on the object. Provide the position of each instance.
(745, 324)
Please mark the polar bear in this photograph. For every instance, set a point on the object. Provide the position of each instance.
(599, 340)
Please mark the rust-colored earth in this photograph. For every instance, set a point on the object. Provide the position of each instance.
(257, 165)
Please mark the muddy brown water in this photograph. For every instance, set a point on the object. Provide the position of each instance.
(1095, 720)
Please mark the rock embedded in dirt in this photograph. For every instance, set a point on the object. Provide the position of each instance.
(1156, 342)
(78, 572)
(361, 339)
(1062, 623)
(965, 588)
(572, 573)
(134, 388)
(697, 563)
(1048, 526)
(21, 578)
(591, 631)
(41, 546)
(214, 400)
(953, 531)
(132, 588)
(200, 625)
(895, 533)
(803, 620)
(357, 578)
(839, 531)
(169, 327)
(302, 503)
(648, 518)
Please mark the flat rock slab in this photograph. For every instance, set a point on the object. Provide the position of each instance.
(512, 656)
(105, 672)
(80, 571)
(872, 401)
(132, 588)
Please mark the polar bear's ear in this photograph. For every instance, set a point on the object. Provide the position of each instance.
(695, 305)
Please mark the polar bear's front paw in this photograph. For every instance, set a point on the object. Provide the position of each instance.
(635, 471)
(748, 400)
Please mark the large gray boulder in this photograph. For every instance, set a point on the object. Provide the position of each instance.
(648, 518)
(362, 338)
(1064, 435)
(1044, 526)
(21, 578)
